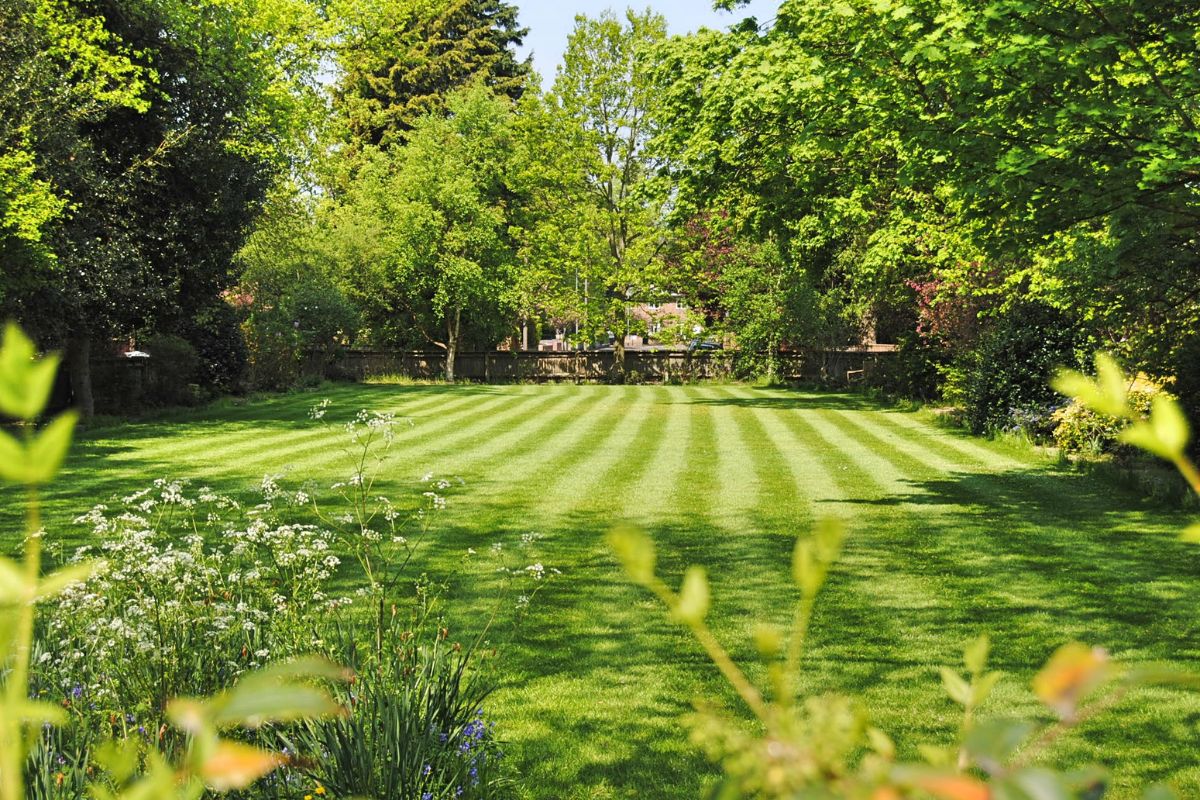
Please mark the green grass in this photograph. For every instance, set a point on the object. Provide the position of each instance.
(951, 537)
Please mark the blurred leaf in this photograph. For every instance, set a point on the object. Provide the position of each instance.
(14, 587)
(829, 535)
(813, 556)
(234, 765)
(275, 695)
(1170, 424)
(39, 382)
(981, 688)
(937, 756)
(12, 458)
(806, 570)
(1113, 385)
(951, 787)
(1163, 675)
(1191, 533)
(1071, 672)
(75, 573)
(1106, 395)
(36, 712)
(976, 653)
(881, 743)
(1036, 783)
(119, 758)
(693, 596)
(16, 358)
(992, 742)
(635, 551)
(958, 689)
(767, 640)
(47, 451)
(188, 715)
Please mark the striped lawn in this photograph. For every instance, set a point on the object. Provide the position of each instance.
(951, 536)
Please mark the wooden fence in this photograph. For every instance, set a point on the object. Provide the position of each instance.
(655, 366)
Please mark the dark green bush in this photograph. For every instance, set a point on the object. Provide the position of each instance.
(174, 371)
(913, 371)
(216, 334)
(1010, 369)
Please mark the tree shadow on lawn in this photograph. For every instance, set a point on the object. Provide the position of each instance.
(1034, 558)
(1041, 557)
(793, 400)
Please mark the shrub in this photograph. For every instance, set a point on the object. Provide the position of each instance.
(296, 329)
(1084, 431)
(913, 371)
(416, 729)
(1012, 366)
(217, 336)
(174, 370)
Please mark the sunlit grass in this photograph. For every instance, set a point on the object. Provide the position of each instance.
(951, 536)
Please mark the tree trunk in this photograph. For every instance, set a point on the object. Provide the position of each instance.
(452, 328)
(524, 334)
(79, 370)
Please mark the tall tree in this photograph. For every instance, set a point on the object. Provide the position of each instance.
(59, 66)
(424, 230)
(399, 60)
(161, 194)
(603, 82)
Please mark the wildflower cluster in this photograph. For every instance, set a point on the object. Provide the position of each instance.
(172, 614)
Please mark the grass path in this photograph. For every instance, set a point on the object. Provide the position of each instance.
(951, 536)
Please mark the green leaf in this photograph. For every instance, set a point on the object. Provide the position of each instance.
(12, 458)
(75, 573)
(976, 653)
(1107, 394)
(958, 689)
(982, 687)
(1163, 675)
(14, 588)
(24, 384)
(767, 640)
(881, 743)
(1191, 533)
(693, 597)
(1169, 423)
(1113, 386)
(635, 551)
(258, 705)
(805, 569)
(47, 451)
(37, 712)
(1038, 783)
(274, 695)
(994, 741)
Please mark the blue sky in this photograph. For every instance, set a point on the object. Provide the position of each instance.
(550, 21)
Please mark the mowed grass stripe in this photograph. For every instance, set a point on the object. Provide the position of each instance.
(465, 424)
(602, 649)
(247, 451)
(948, 539)
(230, 440)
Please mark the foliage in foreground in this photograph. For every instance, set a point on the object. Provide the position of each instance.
(210, 760)
(196, 592)
(825, 746)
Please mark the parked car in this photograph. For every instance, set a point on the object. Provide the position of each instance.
(704, 344)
